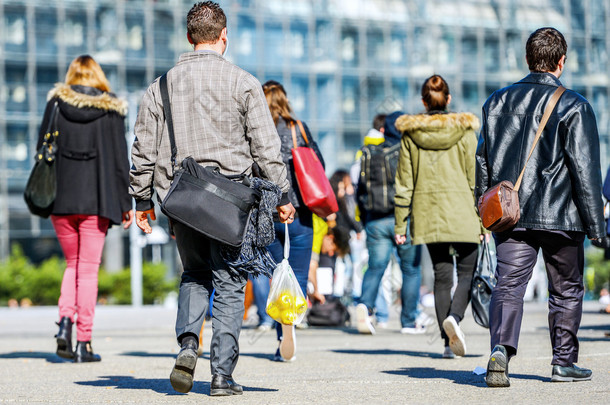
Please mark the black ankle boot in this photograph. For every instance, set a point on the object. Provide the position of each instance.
(64, 338)
(84, 353)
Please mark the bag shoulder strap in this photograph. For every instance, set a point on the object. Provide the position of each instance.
(294, 134)
(168, 117)
(545, 118)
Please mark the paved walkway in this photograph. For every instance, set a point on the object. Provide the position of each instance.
(334, 366)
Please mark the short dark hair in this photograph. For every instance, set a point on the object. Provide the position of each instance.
(379, 121)
(205, 21)
(544, 49)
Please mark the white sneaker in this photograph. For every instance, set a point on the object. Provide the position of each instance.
(424, 319)
(414, 330)
(457, 342)
(363, 320)
(448, 353)
(288, 344)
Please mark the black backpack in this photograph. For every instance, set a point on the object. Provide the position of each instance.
(377, 177)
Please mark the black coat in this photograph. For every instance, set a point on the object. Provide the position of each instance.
(294, 194)
(561, 187)
(92, 163)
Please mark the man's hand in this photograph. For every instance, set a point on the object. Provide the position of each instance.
(142, 219)
(286, 213)
(127, 219)
(400, 239)
(318, 297)
(603, 242)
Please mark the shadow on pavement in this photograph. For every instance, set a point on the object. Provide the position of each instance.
(603, 327)
(159, 385)
(388, 352)
(457, 376)
(147, 354)
(48, 356)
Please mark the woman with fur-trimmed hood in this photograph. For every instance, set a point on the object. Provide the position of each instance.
(435, 186)
(92, 191)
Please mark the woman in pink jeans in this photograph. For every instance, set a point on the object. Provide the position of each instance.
(92, 191)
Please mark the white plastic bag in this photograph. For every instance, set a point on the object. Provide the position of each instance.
(286, 303)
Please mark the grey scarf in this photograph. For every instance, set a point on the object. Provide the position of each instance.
(252, 256)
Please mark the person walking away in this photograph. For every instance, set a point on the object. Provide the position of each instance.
(220, 119)
(560, 203)
(375, 195)
(435, 188)
(301, 229)
(92, 192)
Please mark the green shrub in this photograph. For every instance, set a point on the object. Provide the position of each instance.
(599, 276)
(20, 279)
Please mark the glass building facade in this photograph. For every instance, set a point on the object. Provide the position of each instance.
(341, 61)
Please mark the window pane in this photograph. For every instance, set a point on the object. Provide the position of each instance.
(163, 29)
(298, 49)
(350, 99)
(298, 93)
(17, 94)
(349, 46)
(74, 32)
(135, 48)
(273, 38)
(376, 53)
(15, 26)
(246, 46)
(46, 24)
(397, 49)
(327, 99)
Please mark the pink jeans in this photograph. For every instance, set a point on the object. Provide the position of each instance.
(82, 240)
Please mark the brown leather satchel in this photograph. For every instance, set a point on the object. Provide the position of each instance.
(499, 206)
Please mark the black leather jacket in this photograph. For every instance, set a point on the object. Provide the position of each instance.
(561, 187)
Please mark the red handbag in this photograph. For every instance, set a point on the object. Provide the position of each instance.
(316, 192)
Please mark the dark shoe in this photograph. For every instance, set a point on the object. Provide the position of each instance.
(181, 377)
(569, 374)
(84, 353)
(64, 338)
(222, 386)
(497, 368)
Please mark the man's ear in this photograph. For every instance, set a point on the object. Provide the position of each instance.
(223, 34)
(561, 63)
(188, 36)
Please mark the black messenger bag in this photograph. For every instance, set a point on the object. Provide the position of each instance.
(204, 199)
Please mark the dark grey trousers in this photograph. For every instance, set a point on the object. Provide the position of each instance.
(204, 271)
(563, 254)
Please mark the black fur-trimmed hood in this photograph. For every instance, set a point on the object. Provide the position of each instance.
(83, 103)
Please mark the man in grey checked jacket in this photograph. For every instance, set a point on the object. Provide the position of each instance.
(221, 119)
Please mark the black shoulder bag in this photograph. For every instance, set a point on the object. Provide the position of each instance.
(483, 283)
(41, 187)
(204, 199)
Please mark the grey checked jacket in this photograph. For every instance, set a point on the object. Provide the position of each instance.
(221, 118)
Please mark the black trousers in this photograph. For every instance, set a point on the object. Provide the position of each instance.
(204, 271)
(442, 260)
(563, 254)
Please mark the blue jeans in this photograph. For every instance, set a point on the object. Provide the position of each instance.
(260, 289)
(301, 241)
(381, 244)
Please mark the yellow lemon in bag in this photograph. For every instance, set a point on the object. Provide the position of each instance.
(285, 300)
(301, 304)
(273, 310)
(288, 317)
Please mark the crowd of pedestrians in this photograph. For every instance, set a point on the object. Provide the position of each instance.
(415, 182)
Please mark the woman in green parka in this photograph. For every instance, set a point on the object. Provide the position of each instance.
(435, 186)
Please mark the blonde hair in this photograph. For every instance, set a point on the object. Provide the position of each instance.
(84, 70)
(277, 101)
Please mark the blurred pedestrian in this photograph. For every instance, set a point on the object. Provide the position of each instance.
(221, 121)
(375, 195)
(559, 198)
(92, 192)
(301, 229)
(435, 188)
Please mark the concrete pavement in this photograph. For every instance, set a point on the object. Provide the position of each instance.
(333, 366)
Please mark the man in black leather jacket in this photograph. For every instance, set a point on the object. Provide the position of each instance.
(560, 200)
